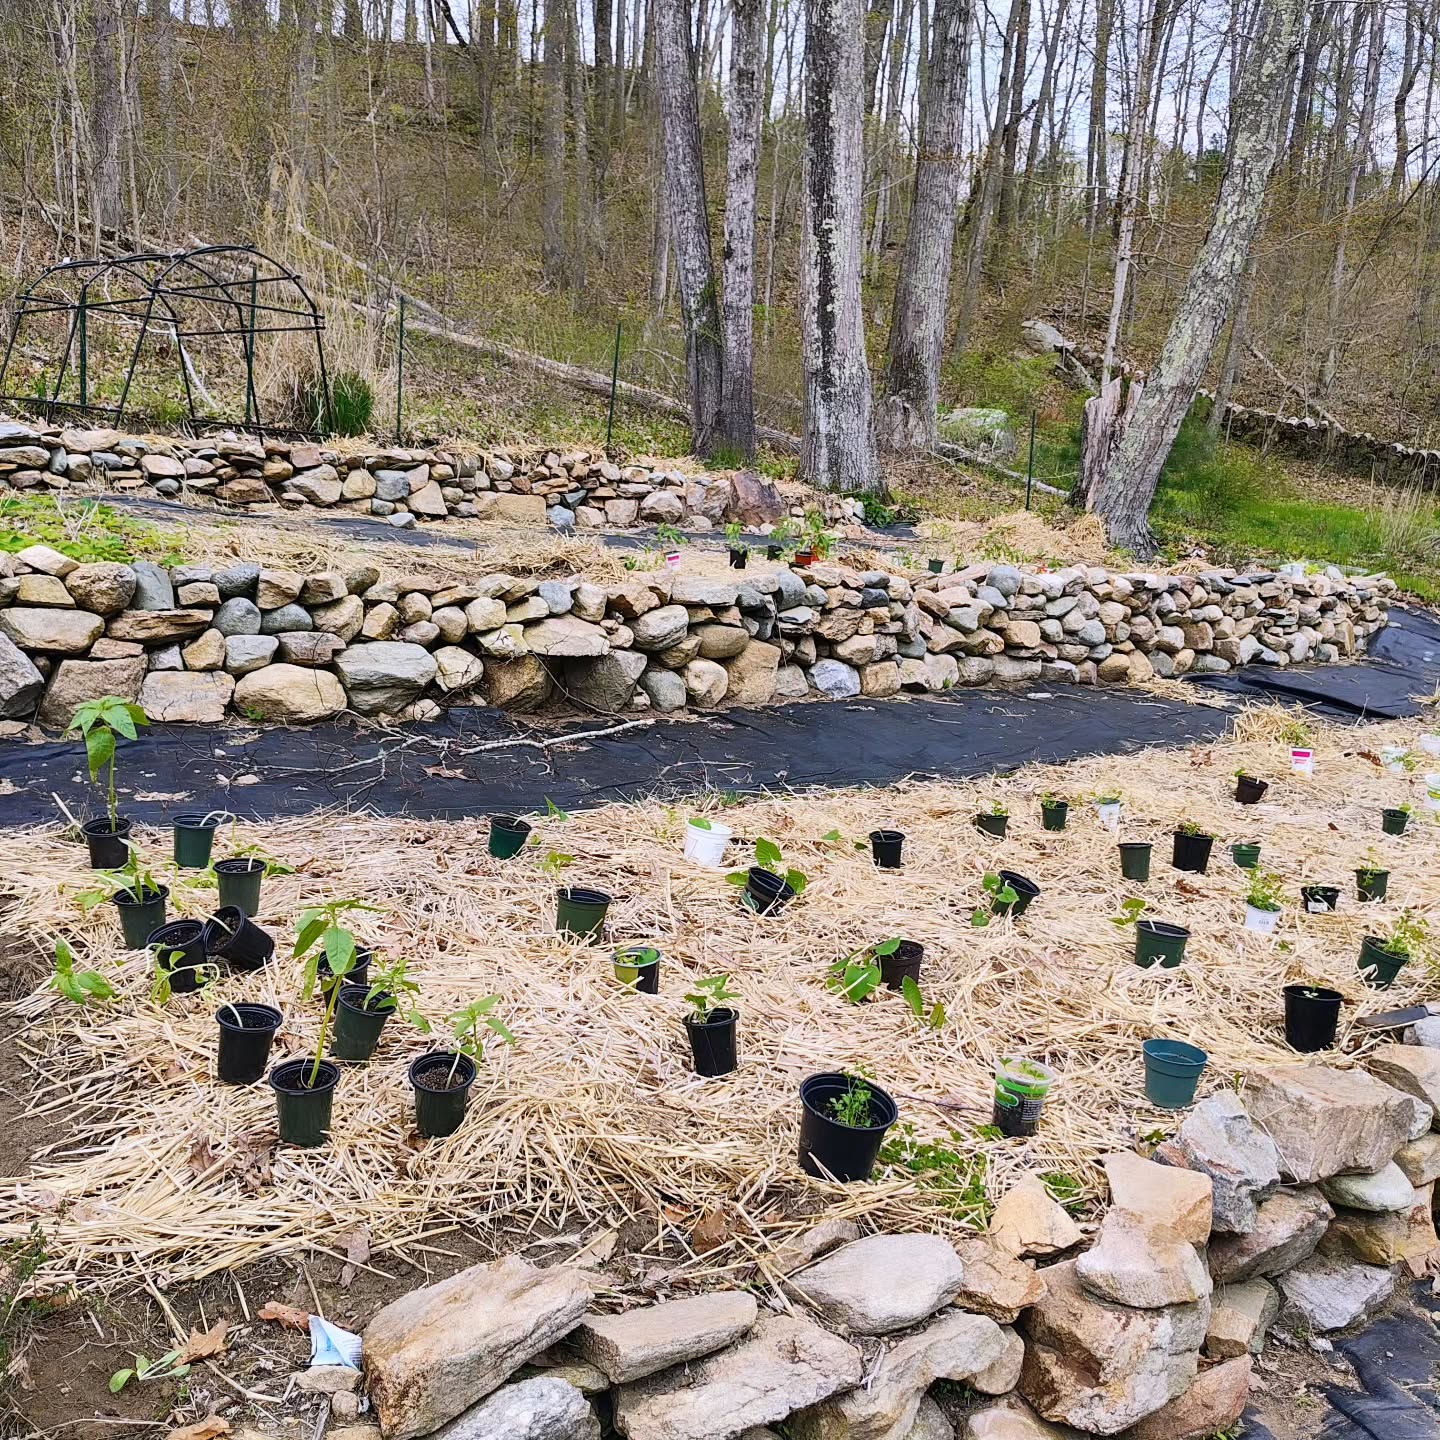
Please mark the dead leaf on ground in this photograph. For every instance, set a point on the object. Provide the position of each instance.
(598, 1250)
(286, 1315)
(357, 1252)
(442, 772)
(202, 1344)
(207, 1429)
(202, 1156)
(712, 1230)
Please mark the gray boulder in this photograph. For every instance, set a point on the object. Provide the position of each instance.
(384, 675)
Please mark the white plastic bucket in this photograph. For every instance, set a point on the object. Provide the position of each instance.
(707, 847)
(1430, 744)
(1392, 757)
(1263, 921)
(1109, 813)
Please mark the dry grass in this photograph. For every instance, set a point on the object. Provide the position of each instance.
(595, 1113)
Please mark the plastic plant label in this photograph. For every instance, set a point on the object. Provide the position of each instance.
(1302, 762)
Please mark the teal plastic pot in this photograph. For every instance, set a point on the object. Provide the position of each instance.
(580, 912)
(1054, 813)
(239, 880)
(507, 836)
(1246, 854)
(304, 1110)
(1379, 966)
(937, 567)
(1172, 1071)
(194, 838)
(1155, 940)
(1135, 859)
(139, 918)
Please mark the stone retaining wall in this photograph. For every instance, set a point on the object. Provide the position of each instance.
(193, 643)
(570, 489)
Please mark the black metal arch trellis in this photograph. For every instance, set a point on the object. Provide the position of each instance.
(233, 292)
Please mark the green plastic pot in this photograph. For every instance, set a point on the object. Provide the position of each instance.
(440, 1106)
(138, 918)
(1393, 822)
(580, 912)
(1054, 813)
(1371, 884)
(1379, 966)
(194, 838)
(1246, 854)
(239, 880)
(1135, 859)
(635, 968)
(1172, 1071)
(1155, 940)
(304, 1110)
(357, 1028)
(937, 567)
(993, 824)
(507, 836)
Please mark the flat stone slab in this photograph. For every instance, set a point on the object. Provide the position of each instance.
(881, 1283)
(1180, 1200)
(641, 1342)
(543, 1408)
(1333, 1293)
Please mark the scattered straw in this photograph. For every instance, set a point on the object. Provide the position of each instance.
(595, 1113)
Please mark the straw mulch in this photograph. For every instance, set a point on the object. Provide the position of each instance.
(595, 1114)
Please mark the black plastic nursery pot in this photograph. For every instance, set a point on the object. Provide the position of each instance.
(774, 552)
(1025, 891)
(738, 558)
(580, 912)
(993, 824)
(1135, 859)
(1318, 899)
(767, 891)
(231, 934)
(107, 843)
(442, 1082)
(139, 919)
(712, 1042)
(304, 1109)
(828, 1148)
(638, 966)
(239, 881)
(358, 973)
(246, 1034)
(1379, 966)
(1393, 822)
(194, 839)
(1371, 884)
(902, 963)
(1156, 940)
(1246, 854)
(507, 836)
(1249, 790)
(1312, 1015)
(886, 846)
(1054, 814)
(1191, 852)
(358, 1026)
(188, 938)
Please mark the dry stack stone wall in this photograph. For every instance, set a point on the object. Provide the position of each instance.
(192, 643)
(568, 489)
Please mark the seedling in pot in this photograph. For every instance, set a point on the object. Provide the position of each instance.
(322, 939)
(1002, 897)
(391, 987)
(1130, 911)
(467, 1026)
(767, 885)
(710, 1026)
(555, 861)
(102, 724)
(1263, 901)
(132, 879)
(709, 996)
(852, 1106)
(934, 1017)
(858, 976)
(81, 986)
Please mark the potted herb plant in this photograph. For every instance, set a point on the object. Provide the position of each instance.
(138, 897)
(995, 820)
(102, 724)
(705, 841)
(710, 1025)
(1381, 959)
(1249, 790)
(843, 1120)
(1263, 899)
(364, 1009)
(1319, 899)
(1172, 1071)
(231, 934)
(1135, 859)
(580, 912)
(638, 968)
(1246, 853)
(178, 950)
(442, 1078)
(508, 834)
(816, 542)
(739, 550)
(1021, 1088)
(247, 1031)
(768, 888)
(886, 847)
(1372, 880)
(1312, 1016)
(1192, 847)
(1394, 820)
(1053, 811)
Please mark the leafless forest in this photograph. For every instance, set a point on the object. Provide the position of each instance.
(810, 210)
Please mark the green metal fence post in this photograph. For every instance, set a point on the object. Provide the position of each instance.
(614, 381)
(400, 372)
(1030, 463)
(251, 415)
(84, 352)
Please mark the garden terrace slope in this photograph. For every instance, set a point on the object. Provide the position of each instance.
(196, 642)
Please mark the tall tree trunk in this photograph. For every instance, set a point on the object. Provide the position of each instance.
(1005, 206)
(1123, 494)
(1322, 13)
(683, 164)
(1097, 184)
(877, 21)
(742, 191)
(554, 254)
(907, 414)
(838, 448)
(106, 200)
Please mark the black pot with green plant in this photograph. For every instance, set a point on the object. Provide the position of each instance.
(769, 885)
(442, 1079)
(179, 952)
(1054, 812)
(710, 1026)
(1383, 957)
(901, 963)
(638, 968)
(1021, 887)
(739, 550)
(1395, 820)
(102, 724)
(365, 1007)
(843, 1120)
(1320, 899)
(139, 899)
(1192, 848)
(993, 821)
(1371, 882)
(247, 1032)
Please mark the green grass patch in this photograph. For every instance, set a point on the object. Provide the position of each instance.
(86, 530)
(951, 1168)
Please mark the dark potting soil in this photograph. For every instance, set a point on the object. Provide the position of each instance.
(439, 1078)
